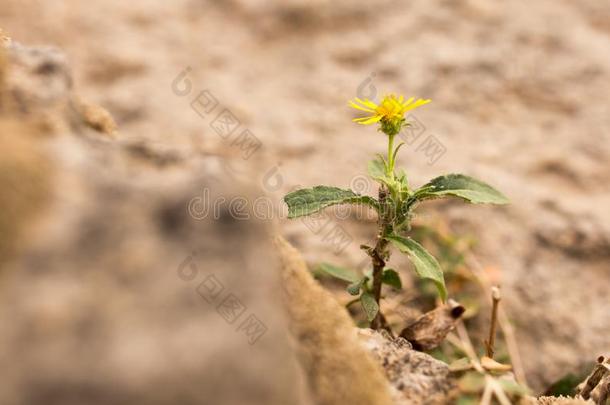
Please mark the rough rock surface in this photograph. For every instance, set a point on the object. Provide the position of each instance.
(555, 401)
(416, 377)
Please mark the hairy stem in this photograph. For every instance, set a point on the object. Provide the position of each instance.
(378, 255)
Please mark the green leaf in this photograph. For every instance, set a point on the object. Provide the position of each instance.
(459, 185)
(339, 272)
(391, 278)
(401, 175)
(376, 169)
(426, 266)
(396, 151)
(369, 305)
(356, 286)
(308, 201)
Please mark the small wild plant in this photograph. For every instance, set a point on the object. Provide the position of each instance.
(395, 204)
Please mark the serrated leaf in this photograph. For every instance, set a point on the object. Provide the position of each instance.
(339, 272)
(459, 185)
(391, 278)
(369, 305)
(426, 266)
(355, 287)
(308, 201)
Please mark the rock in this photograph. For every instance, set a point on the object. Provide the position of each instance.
(25, 177)
(111, 290)
(37, 83)
(338, 367)
(416, 377)
(555, 401)
(96, 117)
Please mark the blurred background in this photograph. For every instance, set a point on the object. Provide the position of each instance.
(520, 100)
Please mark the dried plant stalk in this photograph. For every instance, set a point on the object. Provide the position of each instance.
(503, 321)
(600, 370)
(489, 344)
(604, 391)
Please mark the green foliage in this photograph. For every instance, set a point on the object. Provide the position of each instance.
(395, 208)
(355, 287)
(369, 305)
(426, 266)
(340, 273)
(450, 250)
(401, 176)
(566, 385)
(308, 201)
(359, 286)
(459, 185)
(377, 169)
(391, 278)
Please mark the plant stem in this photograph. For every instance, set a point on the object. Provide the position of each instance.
(390, 168)
(378, 255)
(379, 252)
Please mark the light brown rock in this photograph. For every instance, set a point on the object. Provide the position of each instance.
(417, 378)
(555, 401)
(338, 368)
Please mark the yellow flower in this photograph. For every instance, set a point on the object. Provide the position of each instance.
(390, 111)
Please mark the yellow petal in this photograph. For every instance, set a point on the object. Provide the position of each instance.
(360, 119)
(357, 107)
(416, 104)
(367, 103)
(371, 120)
(409, 101)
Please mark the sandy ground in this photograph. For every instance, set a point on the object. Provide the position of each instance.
(520, 99)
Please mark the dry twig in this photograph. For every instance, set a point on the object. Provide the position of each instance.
(602, 368)
(490, 342)
(604, 391)
(506, 327)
